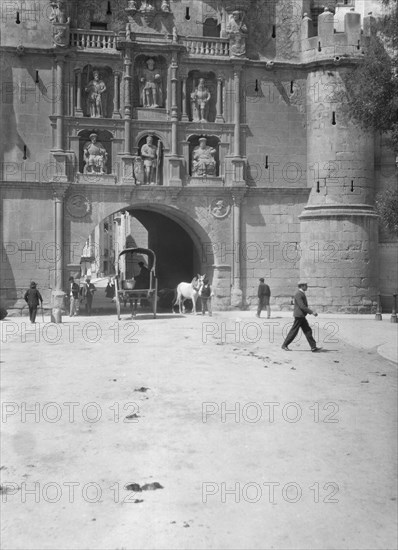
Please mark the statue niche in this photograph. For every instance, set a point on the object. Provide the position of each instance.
(148, 166)
(204, 156)
(151, 82)
(60, 22)
(97, 92)
(95, 152)
(202, 96)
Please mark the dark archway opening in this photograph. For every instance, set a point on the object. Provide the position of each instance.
(176, 254)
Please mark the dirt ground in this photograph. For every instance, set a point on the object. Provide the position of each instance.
(242, 444)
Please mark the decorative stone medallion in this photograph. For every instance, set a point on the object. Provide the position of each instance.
(220, 208)
(78, 206)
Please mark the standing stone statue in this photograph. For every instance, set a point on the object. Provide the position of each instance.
(150, 157)
(58, 14)
(151, 81)
(200, 98)
(95, 89)
(60, 22)
(95, 156)
(237, 31)
(203, 161)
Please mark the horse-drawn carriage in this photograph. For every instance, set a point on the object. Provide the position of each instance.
(135, 282)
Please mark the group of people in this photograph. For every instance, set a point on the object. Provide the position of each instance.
(77, 294)
(300, 311)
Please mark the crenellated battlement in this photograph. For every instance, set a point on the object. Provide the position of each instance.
(331, 44)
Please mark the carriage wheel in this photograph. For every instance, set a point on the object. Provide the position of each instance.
(155, 299)
(118, 306)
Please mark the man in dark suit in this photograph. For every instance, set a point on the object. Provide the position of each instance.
(142, 280)
(32, 298)
(264, 294)
(87, 293)
(301, 310)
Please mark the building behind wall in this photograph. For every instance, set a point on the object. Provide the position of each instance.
(290, 187)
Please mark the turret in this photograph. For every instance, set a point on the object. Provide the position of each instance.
(338, 225)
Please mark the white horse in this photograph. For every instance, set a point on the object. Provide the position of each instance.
(188, 291)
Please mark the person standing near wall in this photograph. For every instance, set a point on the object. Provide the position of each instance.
(206, 294)
(264, 294)
(32, 298)
(73, 297)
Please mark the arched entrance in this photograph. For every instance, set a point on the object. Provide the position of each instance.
(179, 232)
(177, 256)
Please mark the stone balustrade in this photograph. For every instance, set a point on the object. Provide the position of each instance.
(93, 40)
(207, 46)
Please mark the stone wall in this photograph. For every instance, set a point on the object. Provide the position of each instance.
(271, 243)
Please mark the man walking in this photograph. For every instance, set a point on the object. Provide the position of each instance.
(301, 309)
(264, 294)
(73, 297)
(32, 298)
(88, 294)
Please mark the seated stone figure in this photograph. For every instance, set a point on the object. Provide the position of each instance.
(203, 161)
(95, 156)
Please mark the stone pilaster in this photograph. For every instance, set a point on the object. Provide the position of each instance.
(236, 291)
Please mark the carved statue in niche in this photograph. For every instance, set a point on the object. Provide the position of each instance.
(58, 14)
(150, 155)
(95, 89)
(237, 31)
(151, 86)
(203, 161)
(60, 22)
(95, 156)
(200, 102)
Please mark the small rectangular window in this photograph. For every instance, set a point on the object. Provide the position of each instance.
(97, 26)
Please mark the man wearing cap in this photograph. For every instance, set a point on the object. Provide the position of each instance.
(32, 298)
(87, 293)
(301, 309)
(264, 294)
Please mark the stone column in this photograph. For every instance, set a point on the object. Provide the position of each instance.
(236, 293)
(219, 117)
(59, 143)
(174, 108)
(116, 99)
(184, 116)
(79, 110)
(237, 71)
(58, 294)
(127, 101)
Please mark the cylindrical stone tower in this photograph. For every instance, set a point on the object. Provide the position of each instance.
(339, 224)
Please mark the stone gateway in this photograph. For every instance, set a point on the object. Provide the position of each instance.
(260, 170)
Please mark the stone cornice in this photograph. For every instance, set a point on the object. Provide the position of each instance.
(337, 211)
(188, 60)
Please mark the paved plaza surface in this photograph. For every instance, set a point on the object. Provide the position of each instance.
(198, 432)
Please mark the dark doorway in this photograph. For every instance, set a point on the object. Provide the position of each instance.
(176, 255)
(211, 28)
